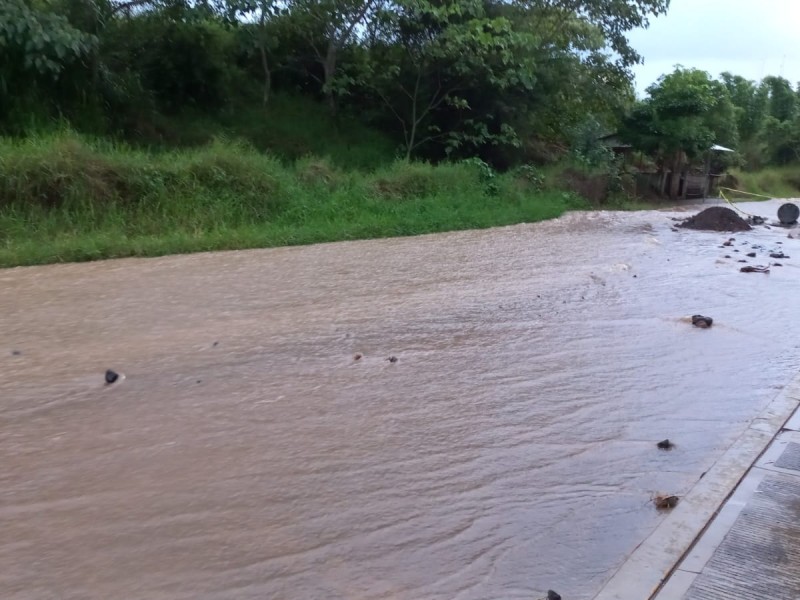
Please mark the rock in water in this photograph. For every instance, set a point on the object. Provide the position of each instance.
(665, 445)
(716, 218)
(702, 322)
(111, 376)
(664, 502)
(551, 595)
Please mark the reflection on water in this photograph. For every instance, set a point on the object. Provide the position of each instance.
(509, 450)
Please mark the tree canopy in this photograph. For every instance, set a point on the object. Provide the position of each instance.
(446, 77)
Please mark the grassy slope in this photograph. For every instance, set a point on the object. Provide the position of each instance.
(66, 198)
(290, 127)
(776, 182)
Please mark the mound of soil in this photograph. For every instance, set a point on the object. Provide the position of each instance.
(716, 218)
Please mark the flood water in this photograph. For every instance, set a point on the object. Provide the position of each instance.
(246, 454)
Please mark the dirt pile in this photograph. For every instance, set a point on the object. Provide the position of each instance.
(716, 218)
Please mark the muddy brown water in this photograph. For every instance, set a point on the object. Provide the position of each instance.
(509, 450)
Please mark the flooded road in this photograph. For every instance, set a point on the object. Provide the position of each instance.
(246, 454)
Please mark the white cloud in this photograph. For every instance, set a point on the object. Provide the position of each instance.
(752, 38)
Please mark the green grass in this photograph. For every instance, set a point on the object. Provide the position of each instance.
(67, 198)
(290, 127)
(776, 182)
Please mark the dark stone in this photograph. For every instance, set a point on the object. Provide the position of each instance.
(665, 445)
(777, 265)
(702, 322)
(392, 359)
(215, 344)
(16, 353)
(750, 269)
(727, 256)
(751, 254)
(742, 260)
(666, 501)
(551, 595)
(111, 376)
(778, 255)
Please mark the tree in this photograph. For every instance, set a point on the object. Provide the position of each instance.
(434, 54)
(685, 113)
(782, 98)
(750, 101)
(612, 18)
(260, 12)
(328, 26)
(39, 40)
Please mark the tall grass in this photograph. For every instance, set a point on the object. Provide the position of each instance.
(290, 127)
(67, 198)
(776, 182)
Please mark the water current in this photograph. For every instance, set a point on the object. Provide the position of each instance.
(510, 448)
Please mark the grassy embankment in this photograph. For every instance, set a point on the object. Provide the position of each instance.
(64, 197)
(777, 182)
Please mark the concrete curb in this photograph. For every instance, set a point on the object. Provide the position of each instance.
(653, 561)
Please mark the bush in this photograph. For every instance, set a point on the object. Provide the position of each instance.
(407, 180)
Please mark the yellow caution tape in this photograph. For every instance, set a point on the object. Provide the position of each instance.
(733, 206)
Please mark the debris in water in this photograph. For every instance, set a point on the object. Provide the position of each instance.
(728, 243)
(758, 269)
(756, 220)
(777, 265)
(215, 344)
(111, 376)
(751, 254)
(702, 322)
(778, 255)
(358, 356)
(665, 445)
(742, 260)
(551, 595)
(664, 501)
(727, 256)
(392, 359)
(16, 353)
(199, 381)
(716, 218)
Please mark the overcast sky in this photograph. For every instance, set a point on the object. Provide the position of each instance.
(752, 38)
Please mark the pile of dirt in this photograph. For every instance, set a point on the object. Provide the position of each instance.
(716, 218)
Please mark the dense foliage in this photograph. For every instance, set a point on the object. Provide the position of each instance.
(509, 81)
(504, 80)
(686, 111)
